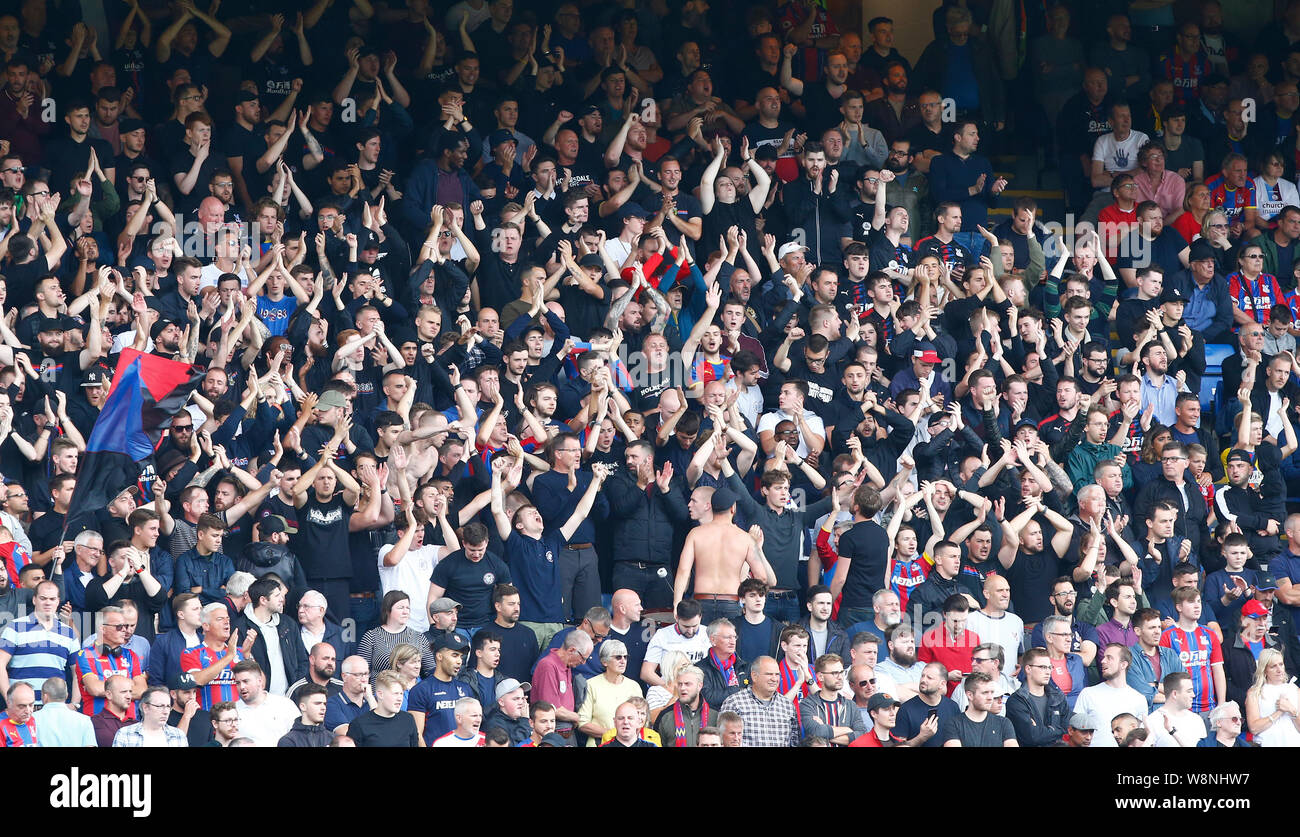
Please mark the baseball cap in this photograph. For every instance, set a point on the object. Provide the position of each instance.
(1172, 293)
(1024, 422)
(1083, 722)
(49, 324)
(158, 328)
(276, 523)
(765, 152)
(508, 685)
(370, 241)
(1200, 249)
(182, 680)
(926, 353)
(632, 210)
(443, 604)
(93, 377)
(1237, 454)
(1254, 609)
(552, 739)
(880, 701)
(245, 96)
(126, 126)
(330, 399)
(499, 136)
(452, 642)
(591, 260)
(723, 499)
(588, 111)
(1265, 581)
(788, 248)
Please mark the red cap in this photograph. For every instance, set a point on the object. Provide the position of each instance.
(1254, 609)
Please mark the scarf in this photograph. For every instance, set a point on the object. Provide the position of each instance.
(679, 723)
(727, 668)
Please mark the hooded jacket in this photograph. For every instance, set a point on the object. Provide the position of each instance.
(262, 557)
(304, 735)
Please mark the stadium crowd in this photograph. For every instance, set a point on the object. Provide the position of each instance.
(652, 374)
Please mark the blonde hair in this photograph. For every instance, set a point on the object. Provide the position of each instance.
(403, 653)
(1266, 658)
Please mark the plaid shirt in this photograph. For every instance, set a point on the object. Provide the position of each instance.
(133, 736)
(768, 723)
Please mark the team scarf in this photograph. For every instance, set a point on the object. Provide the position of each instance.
(728, 668)
(787, 685)
(679, 723)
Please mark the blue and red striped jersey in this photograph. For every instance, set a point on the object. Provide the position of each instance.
(1199, 649)
(103, 665)
(223, 687)
(1186, 75)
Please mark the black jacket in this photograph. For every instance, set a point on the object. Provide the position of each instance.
(715, 688)
(290, 639)
(930, 594)
(644, 519)
(302, 735)
(1190, 524)
(837, 640)
(519, 729)
(262, 557)
(1032, 729)
(1239, 663)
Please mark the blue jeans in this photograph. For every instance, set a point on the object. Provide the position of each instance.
(783, 607)
(365, 613)
(850, 616)
(972, 241)
(711, 609)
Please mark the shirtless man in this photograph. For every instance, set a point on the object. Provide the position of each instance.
(723, 548)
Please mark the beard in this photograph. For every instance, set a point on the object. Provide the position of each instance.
(892, 619)
(905, 659)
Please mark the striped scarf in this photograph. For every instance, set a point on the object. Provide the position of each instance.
(679, 723)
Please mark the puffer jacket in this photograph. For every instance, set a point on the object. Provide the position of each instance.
(262, 557)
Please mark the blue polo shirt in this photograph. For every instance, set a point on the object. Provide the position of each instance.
(339, 710)
(535, 567)
(437, 700)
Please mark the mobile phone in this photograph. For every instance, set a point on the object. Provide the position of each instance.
(933, 713)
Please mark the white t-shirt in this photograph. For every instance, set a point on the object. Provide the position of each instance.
(1007, 631)
(1119, 156)
(266, 724)
(668, 639)
(210, 273)
(1104, 702)
(411, 575)
(769, 421)
(1189, 727)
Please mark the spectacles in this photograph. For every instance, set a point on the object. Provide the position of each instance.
(1253, 256)
(981, 659)
(1218, 226)
(116, 627)
(618, 656)
(1039, 665)
(836, 673)
(356, 674)
(234, 720)
(11, 170)
(872, 179)
(43, 193)
(1057, 634)
(159, 705)
(870, 682)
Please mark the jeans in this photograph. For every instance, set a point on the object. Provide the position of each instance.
(579, 582)
(850, 616)
(783, 607)
(972, 241)
(711, 609)
(649, 581)
(365, 613)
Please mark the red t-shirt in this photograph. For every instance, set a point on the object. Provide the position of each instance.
(956, 655)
